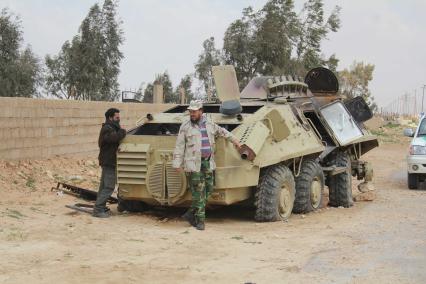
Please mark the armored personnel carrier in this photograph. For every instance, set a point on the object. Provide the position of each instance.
(297, 136)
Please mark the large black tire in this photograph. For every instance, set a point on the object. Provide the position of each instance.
(309, 188)
(340, 185)
(274, 198)
(413, 181)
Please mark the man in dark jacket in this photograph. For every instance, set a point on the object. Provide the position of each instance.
(109, 138)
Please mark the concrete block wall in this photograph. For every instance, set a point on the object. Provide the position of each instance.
(42, 128)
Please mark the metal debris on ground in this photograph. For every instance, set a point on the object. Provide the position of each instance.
(79, 192)
(86, 208)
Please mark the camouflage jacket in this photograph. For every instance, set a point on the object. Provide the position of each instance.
(187, 153)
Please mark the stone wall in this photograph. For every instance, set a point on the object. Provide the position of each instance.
(41, 128)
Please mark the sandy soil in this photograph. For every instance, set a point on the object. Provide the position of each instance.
(41, 241)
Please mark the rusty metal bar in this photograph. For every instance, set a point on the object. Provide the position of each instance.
(80, 192)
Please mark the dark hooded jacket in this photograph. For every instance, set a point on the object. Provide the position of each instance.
(109, 138)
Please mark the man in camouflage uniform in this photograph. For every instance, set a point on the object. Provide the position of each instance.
(194, 152)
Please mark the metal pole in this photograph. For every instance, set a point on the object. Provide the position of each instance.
(406, 104)
(415, 102)
(423, 96)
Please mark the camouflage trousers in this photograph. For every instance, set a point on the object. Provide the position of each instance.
(201, 184)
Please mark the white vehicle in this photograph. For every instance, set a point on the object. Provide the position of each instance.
(416, 159)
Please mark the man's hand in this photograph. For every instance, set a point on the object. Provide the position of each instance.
(179, 170)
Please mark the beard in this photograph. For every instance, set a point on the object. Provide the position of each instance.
(195, 120)
(116, 124)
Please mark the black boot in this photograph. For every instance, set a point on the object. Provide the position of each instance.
(101, 213)
(200, 225)
(189, 216)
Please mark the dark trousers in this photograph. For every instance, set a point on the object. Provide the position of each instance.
(106, 188)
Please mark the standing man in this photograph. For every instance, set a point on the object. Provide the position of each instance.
(194, 152)
(109, 138)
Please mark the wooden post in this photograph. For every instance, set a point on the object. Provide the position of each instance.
(182, 96)
(158, 94)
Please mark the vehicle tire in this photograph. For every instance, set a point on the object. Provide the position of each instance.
(274, 198)
(130, 205)
(413, 181)
(309, 188)
(340, 185)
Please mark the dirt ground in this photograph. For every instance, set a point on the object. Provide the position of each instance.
(41, 241)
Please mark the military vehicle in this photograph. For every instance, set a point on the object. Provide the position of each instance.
(296, 135)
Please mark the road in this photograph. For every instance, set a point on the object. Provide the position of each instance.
(382, 241)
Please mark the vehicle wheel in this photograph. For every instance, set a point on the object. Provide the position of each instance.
(131, 205)
(340, 185)
(275, 194)
(413, 181)
(309, 188)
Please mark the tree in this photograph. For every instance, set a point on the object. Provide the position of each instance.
(29, 74)
(20, 70)
(355, 80)
(332, 62)
(208, 58)
(314, 29)
(186, 85)
(168, 94)
(113, 37)
(276, 40)
(276, 33)
(91, 49)
(138, 94)
(62, 80)
(88, 67)
(148, 95)
(239, 46)
(262, 42)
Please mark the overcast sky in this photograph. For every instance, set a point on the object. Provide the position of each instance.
(167, 35)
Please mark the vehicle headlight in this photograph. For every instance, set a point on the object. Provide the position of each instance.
(417, 150)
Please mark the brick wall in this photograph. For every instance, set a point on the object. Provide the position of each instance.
(40, 128)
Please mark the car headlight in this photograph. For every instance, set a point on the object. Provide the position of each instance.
(417, 150)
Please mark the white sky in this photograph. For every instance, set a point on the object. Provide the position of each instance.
(167, 35)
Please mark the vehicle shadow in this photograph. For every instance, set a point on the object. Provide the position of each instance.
(215, 214)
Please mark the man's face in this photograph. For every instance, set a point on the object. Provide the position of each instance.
(195, 115)
(116, 117)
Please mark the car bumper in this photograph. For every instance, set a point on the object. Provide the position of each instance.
(416, 164)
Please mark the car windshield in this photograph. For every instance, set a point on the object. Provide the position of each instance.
(422, 128)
